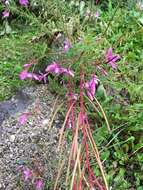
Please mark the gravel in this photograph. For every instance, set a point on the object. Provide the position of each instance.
(31, 145)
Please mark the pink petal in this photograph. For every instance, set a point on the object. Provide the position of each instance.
(23, 2)
(90, 87)
(33, 76)
(6, 14)
(112, 59)
(90, 95)
(112, 64)
(57, 69)
(53, 67)
(27, 66)
(102, 71)
(67, 45)
(23, 118)
(27, 174)
(39, 184)
(97, 14)
(67, 72)
(23, 75)
(109, 54)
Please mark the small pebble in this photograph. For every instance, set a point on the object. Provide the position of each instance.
(45, 121)
(12, 138)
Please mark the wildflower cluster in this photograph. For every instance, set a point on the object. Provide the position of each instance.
(28, 176)
(90, 86)
(56, 68)
(6, 11)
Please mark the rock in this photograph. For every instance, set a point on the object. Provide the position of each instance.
(45, 122)
(30, 145)
(12, 138)
(16, 104)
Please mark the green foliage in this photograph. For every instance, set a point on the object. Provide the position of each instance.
(120, 93)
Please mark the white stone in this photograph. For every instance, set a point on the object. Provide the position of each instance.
(12, 138)
(45, 122)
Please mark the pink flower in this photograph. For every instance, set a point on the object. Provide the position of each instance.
(27, 65)
(33, 76)
(112, 59)
(39, 184)
(90, 87)
(6, 14)
(53, 68)
(23, 118)
(67, 45)
(67, 72)
(23, 2)
(25, 74)
(27, 174)
(57, 69)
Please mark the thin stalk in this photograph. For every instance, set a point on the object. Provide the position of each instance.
(60, 165)
(104, 115)
(75, 167)
(103, 112)
(63, 126)
(73, 149)
(59, 173)
(54, 115)
(97, 156)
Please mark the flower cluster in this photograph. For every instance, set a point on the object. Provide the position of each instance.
(53, 68)
(57, 69)
(26, 74)
(28, 175)
(6, 12)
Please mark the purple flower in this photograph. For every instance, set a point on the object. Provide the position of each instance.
(23, 2)
(53, 68)
(67, 72)
(27, 65)
(33, 76)
(90, 87)
(25, 74)
(39, 184)
(111, 58)
(27, 174)
(67, 45)
(6, 14)
(23, 118)
(57, 69)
